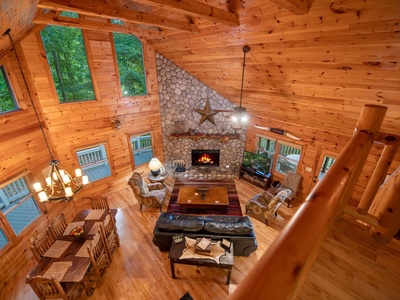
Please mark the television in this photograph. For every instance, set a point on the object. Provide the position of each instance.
(258, 163)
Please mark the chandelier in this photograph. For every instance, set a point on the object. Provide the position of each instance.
(60, 185)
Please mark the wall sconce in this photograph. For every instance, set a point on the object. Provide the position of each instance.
(117, 124)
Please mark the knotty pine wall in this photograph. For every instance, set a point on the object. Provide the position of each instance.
(70, 127)
(307, 74)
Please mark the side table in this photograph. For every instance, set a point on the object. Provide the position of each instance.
(159, 178)
(226, 261)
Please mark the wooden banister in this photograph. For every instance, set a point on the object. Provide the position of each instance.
(282, 269)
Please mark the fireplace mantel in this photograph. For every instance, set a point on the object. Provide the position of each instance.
(197, 136)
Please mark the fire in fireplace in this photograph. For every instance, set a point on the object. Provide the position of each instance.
(208, 158)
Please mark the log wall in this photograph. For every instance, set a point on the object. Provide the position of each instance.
(70, 127)
(307, 74)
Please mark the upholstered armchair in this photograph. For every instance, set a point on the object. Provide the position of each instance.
(152, 194)
(267, 205)
(292, 182)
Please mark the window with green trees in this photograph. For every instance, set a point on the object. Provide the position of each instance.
(69, 67)
(129, 54)
(7, 99)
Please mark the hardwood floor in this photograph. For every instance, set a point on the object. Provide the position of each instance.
(350, 265)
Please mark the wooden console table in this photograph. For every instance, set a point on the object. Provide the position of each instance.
(255, 178)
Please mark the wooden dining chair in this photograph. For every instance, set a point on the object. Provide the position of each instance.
(41, 244)
(110, 234)
(99, 259)
(51, 288)
(58, 226)
(98, 202)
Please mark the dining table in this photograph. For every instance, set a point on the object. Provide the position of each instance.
(68, 259)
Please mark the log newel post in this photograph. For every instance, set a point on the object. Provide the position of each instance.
(389, 212)
(388, 153)
(282, 269)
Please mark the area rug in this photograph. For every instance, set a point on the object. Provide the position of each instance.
(233, 209)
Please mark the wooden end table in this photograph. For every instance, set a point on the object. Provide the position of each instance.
(226, 261)
(159, 178)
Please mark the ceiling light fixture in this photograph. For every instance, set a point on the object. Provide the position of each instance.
(60, 185)
(240, 116)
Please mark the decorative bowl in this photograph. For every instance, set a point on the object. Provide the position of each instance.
(77, 232)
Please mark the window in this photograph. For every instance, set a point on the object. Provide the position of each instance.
(7, 98)
(142, 148)
(66, 55)
(94, 162)
(284, 156)
(18, 208)
(128, 49)
(326, 164)
(266, 146)
(288, 158)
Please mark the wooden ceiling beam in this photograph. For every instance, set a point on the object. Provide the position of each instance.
(196, 9)
(99, 8)
(49, 19)
(298, 7)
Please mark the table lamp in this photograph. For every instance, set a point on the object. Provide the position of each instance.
(155, 165)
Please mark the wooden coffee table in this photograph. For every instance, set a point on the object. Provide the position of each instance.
(225, 262)
(190, 197)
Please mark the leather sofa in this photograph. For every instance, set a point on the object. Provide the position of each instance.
(239, 230)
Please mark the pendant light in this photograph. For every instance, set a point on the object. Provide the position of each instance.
(60, 185)
(240, 116)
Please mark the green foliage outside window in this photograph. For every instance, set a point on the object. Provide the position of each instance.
(130, 64)
(69, 67)
(7, 101)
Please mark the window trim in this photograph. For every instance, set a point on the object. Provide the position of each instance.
(10, 89)
(107, 152)
(5, 226)
(114, 52)
(90, 63)
(129, 136)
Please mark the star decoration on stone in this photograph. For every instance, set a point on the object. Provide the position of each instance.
(207, 113)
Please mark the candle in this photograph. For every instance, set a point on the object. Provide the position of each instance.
(68, 192)
(48, 181)
(78, 172)
(37, 186)
(42, 196)
(85, 179)
(66, 179)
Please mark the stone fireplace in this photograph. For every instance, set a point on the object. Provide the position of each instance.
(181, 97)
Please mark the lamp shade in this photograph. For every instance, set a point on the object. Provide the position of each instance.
(155, 164)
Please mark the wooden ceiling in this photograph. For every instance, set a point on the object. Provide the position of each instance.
(312, 63)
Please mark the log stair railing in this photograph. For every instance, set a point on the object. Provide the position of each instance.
(282, 269)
